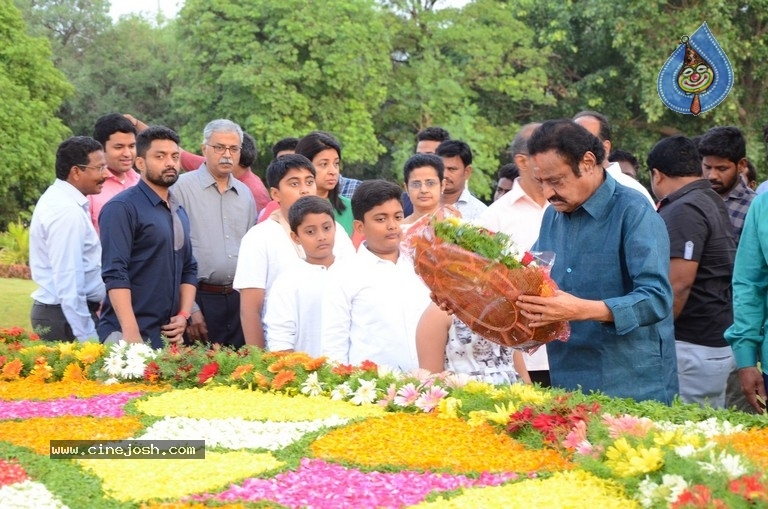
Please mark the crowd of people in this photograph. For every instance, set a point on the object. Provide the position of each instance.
(141, 241)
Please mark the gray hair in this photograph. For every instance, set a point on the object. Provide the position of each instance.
(520, 144)
(221, 125)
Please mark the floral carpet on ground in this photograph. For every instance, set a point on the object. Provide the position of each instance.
(290, 431)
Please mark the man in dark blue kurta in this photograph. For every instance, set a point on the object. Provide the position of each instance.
(147, 263)
(612, 268)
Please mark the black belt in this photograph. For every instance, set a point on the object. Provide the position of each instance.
(221, 289)
(92, 306)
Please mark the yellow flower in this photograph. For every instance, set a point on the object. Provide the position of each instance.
(66, 348)
(557, 491)
(528, 394)
(73, 373)
(478, 417)
(676, 438)
(628, 461)
(448, 408)
(145, 479)
(501, 413)
(89, 352)
(475, 387)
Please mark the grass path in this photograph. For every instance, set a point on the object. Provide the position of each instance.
(15, 302)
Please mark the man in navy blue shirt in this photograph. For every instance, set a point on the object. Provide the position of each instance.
(147, 263)
(612, 268)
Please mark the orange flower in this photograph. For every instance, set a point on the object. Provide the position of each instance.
(12, 370)
(423, 441)
(753, 444)
(262, 382)
(283, 378)
(42, 371)
(276, 366)
(33, 389)
(241, 371)
(314, 364)
(73, 373)
(37, 433)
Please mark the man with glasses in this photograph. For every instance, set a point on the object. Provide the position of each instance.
(64, 248)
(221, 210)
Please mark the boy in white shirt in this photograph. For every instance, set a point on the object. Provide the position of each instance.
(267, 249)
(294, 309)
(374, 305)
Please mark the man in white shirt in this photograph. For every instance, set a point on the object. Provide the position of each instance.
(597, 124)
(457, 158)
(518, 214)
(373, 308)
(64, 248)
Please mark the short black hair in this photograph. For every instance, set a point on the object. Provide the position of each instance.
(279, 168)
(284, 144)
(727, 142)
(372, 193)
(156, 132)
(421, 160)
(605, 126)
(109, 124)
(624, 155)
(433, 133)
(675, 156)
(453, 148)
(308, 205)
(508, 171)
(248, 151)
(570, 140)
(74, 151)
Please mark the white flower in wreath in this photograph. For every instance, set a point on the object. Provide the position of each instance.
(366, 393)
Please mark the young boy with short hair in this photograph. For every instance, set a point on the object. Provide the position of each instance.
(294, 309)
(267, 249)
(372, 308)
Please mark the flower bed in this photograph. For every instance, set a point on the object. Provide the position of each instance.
(292, 431)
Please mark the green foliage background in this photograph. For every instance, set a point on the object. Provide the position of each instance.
(372, 72)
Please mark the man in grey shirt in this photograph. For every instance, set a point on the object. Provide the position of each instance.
(221, 209)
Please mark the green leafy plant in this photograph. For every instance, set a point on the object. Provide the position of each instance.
(14, 245)
(497, 247)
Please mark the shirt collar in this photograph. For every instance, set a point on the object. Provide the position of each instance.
(71, 191)
(150, 193)
(369, 257)
(464, 196)
(205, 178)
(597, 204)
(518, 193)
(687, 188)
(738, 191)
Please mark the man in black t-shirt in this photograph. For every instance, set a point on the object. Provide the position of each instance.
(702, 250)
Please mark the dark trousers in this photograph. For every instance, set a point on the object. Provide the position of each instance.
(222, 317)
(49, 322)
(541, 378)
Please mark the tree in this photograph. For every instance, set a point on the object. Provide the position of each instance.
(284, 68)
(33, 90)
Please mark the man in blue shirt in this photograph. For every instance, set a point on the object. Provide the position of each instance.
(147, 263)
(612, 268)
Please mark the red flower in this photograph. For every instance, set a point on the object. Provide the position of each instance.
(519, 420)
(11, 472)
(369, 366)
(698, 497)
(152, 372)
(209, 371)
(749, 487)
(343, 369)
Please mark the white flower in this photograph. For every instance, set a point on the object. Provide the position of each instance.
(341, 392)
(134, 367)
(236, 433)
(729, 464)
(675, 485)
(312, 386)
(651, 494)
(648, 493)
(111, 381)
(26, 494)
(366, 393)
(383, 370)
(113, 365)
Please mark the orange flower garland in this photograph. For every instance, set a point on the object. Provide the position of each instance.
(423, 441)
(37, 433)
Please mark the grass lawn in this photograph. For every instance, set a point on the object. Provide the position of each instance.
(15, 302)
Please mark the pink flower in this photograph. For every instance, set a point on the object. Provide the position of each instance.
(577, 435)
(457, 380)
(430, 398)
(407, 395)
(627, 425)
(389, 397)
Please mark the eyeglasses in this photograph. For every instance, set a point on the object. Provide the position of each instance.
(220, 149)
(86, 167)
(428, 184)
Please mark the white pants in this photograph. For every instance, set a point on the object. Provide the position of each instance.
(703, 373)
